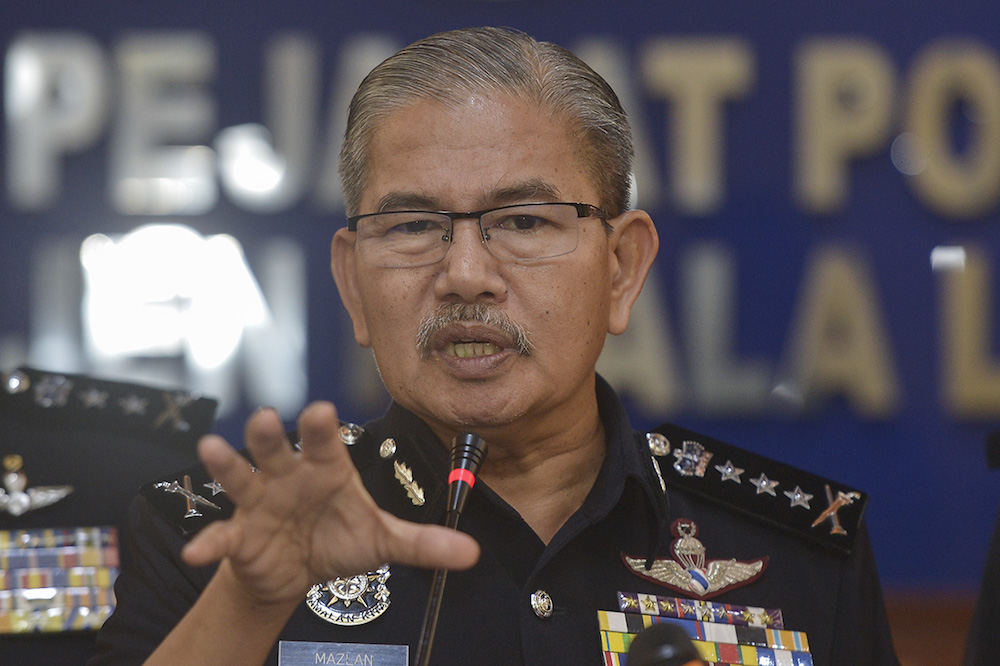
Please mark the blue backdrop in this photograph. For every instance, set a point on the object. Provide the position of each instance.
(897, 104)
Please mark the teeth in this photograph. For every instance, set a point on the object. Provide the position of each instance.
(471, 349)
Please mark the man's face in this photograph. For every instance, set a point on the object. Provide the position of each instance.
(482, 154)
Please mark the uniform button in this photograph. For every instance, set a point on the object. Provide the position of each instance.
(658, 444)
(350, 433)
(541, 603)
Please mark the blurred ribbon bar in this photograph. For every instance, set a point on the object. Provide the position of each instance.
(690, 609)
(54, 580)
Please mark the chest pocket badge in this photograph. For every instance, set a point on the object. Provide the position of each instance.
(351, 600)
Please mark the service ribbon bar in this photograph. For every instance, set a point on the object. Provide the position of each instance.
(704, 611)
(723, 653)
(714, 632)
(50, 620)
(618, 643)
(33, 579)
(613, 659)
(57, 597)
(90, 537)
(55, 580)
(60, 556)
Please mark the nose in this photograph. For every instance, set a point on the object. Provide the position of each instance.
(469, 272)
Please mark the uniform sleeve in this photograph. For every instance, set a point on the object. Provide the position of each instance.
(862, 636)
(153, 591)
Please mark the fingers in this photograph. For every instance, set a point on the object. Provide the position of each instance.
(210, 545)
(429, 546)
(227, 467)
(266, 442)
(319, 434)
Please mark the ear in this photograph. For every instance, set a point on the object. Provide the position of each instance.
(634, 244)
(343, 265)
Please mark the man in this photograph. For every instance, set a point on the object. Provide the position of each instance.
(491, 322)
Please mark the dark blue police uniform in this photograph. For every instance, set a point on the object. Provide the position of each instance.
(535, 603)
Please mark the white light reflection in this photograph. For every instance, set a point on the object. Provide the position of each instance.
(165, 290)
(906, 156)
(247, 163)
(948, 258)
(39, 594)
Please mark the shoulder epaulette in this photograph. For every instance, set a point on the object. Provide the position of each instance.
(80, 401)
(818, 509)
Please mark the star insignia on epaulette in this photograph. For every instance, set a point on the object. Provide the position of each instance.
(689, 573)
(94, 398)
(765, 485)
(799, 497)
(133, 405)
(730, 472)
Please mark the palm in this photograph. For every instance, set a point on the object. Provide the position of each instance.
(305, 517)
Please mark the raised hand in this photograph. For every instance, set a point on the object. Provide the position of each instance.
(306, 517)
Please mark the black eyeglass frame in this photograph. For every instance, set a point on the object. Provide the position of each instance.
(582, 211)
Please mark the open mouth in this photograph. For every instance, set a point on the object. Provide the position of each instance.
(476, 331)
(470, 349)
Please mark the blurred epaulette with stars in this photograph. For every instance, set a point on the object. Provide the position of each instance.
(74, 451)
(82, 402)
(817, 509)
(95, 440)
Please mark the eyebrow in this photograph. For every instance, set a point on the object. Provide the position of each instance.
(530, 190)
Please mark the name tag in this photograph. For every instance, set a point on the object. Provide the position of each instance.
(302, 653)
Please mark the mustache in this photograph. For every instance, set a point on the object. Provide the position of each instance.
(482, 313)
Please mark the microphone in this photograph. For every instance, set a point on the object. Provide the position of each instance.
(663, 644)
(467, 454)
(468, 451)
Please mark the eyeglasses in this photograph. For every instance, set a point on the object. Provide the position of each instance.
(523, 232)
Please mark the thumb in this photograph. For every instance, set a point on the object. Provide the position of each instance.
(429, 546)
(210, 544)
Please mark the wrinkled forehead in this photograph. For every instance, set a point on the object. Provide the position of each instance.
(509, 148)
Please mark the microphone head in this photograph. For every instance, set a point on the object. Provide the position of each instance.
(468, 451)
(663, 644)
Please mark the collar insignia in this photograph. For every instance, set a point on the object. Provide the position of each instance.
(353, 600)
(405, 477)
(689, 572)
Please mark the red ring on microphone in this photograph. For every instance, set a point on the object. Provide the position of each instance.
(460, 474)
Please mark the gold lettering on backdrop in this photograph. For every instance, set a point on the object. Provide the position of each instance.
(843, 111)
(949, 72)
(840, 344)
(698, 77)
(624, 361)
(970, 372)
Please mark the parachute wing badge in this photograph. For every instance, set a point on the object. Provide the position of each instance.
(15, 496)
(689, 572)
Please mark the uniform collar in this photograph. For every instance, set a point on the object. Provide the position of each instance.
(627, 468)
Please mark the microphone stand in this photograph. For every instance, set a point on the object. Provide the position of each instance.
(467, 454)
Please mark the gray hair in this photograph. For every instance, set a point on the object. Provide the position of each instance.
(448, 66)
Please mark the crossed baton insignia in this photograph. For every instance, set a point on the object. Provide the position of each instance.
(835, 505)
(192, 498)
